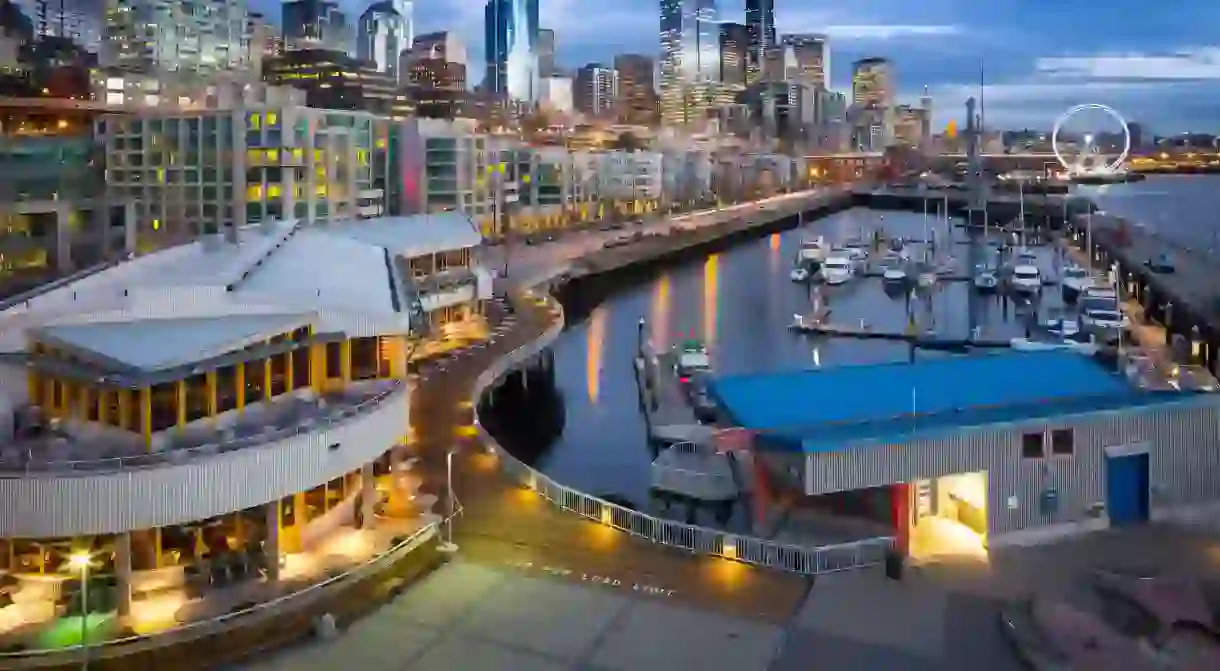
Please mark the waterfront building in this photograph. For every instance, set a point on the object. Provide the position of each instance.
(55, 211)
(807, 59)
(555, 187)
(637, 96)
(1060, 446)
(686, 177)
(334, 80)
(512, 50)
(629, 182)
(595, 90)
(315, 24)
(256, 154)
(222, 413)
(383, 34)
(444, 165)
(760, 22)
(690, 61)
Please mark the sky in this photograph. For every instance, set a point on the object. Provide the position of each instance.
(1155, 61)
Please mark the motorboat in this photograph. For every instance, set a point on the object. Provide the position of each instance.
(1061, 328)
(857, 250)
(837, 270)
(926, 277)
(898, 248)
(985, 279)
(1034, 345)
(813, 250)
(1107, 323)
(1074, 281)
(693, 359)
(894, 274)
(1026, 279)
(800, 274)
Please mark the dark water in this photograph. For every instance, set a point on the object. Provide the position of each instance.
(1182, 208)
(741, 302)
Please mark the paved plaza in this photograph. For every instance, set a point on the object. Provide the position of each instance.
(475, 617)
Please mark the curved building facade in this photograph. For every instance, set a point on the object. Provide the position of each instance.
(228, 402)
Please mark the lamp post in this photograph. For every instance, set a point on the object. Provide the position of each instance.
(448, 546)
(80, 562)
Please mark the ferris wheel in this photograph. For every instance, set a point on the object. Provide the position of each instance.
(1089, 158)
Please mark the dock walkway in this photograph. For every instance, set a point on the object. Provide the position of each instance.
(919, 339)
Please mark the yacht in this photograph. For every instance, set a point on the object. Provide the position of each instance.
(894, 274)
(813, 251)
(837, 270)
(1101, 315)
(1026, 279)
(693, 359)
(898, 248)
(1075, 280)
(800, 274)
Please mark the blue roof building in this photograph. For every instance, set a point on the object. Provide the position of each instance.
(1033, 422)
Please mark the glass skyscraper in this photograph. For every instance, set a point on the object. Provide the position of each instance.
(760, 21)
(690, 60)
(512, 49)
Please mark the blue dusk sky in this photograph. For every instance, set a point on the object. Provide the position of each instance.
(1156, 61)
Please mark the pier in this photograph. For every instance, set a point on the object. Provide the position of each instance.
(922, 340)
(1183, 306)
(1041, 210)
(687, 464)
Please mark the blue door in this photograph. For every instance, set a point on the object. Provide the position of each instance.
(1127, 488)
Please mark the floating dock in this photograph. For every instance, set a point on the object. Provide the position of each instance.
(688, 465)
(923, 340)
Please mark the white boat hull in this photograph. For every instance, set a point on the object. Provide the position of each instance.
(1026, 287)
(835, 279)
(894, 276)
(1027, 345)
(799, 275)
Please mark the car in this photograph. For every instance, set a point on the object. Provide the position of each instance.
(1161, 264)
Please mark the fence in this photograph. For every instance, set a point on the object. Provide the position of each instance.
(267, 610)
(178, 456)
(704, 540)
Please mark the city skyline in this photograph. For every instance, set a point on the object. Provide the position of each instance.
(1037, 55)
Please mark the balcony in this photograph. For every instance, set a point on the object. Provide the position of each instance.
(107, 481)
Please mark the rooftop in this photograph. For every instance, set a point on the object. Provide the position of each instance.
(826, 409)
(201, 300)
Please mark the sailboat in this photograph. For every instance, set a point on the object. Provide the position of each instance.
(927, 277)
(985, 279)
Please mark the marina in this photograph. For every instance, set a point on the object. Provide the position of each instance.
(956, 296)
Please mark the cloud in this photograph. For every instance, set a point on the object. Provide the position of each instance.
(882, 32)
(1192, 64)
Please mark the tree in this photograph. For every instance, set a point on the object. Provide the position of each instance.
(627, 141)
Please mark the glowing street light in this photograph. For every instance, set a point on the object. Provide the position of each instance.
(80, 561)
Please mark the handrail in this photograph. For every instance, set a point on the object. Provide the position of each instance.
(200, 628)
(693, 538)
(178, 456)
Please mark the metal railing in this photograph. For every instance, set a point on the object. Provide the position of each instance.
(693, 538)
(28, 659)
(181, 455)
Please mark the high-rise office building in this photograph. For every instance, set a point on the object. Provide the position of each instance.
(690, 60)
(760, 21)
(511, 31)
(76, 20)
(637, 96)
(734, 49)
(546, 52)
(443, 45)
(209, 36)
(383, 34)
(315, 24)
(807, 59)
(595, 90)
(872, 83)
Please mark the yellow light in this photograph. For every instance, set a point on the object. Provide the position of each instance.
(254, 192)
(271, 119)
(156, 224)
(80, 560)
(256, 122)
(730, 549)
(273, 154)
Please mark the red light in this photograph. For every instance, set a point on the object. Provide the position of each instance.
(684, 380)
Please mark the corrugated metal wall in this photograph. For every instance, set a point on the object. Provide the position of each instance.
(1184, 441)
(96, 503)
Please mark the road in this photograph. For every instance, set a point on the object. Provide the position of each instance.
(530, 264)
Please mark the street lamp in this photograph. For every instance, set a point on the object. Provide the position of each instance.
(448, 547)
(80, 561)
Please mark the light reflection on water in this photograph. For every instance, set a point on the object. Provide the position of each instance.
(741, 302)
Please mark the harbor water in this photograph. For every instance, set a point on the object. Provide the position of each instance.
(741, 302)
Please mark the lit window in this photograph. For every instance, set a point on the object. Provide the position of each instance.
(272, 119)
(273, 155)
(320, 191)
(254, 192)
(256, 122)
(156, 224)
(274, 191)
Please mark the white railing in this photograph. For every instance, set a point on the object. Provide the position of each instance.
(704, 540)
(119, 647)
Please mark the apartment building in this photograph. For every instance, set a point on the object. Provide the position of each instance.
(631, 180)
(442, 165)
(256, 156)
(554, 187)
